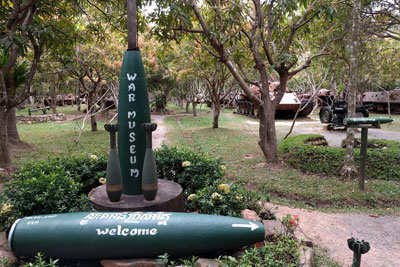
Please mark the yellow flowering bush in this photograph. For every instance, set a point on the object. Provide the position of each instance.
(223, 168)
(224, 188)
(186, 164)
(191, 169)
(94, 157)
(6, 208)
(191, 197)
(224, 198)
(216, 196)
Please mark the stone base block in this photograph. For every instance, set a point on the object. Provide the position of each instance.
(169, 198)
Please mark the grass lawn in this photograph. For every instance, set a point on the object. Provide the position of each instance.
(57, 138)
(236, 142)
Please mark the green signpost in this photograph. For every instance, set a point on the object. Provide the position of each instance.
(102, 235)
(364, 124)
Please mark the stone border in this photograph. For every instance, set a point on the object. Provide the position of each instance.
(41, 118)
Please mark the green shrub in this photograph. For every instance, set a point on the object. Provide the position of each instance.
(42, 194)
(53, 186)
(381, 164)
(40, 261)
(191, 170)
(284, 252)
(84, 169)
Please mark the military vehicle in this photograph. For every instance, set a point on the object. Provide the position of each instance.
(286, 108)
(380, 101)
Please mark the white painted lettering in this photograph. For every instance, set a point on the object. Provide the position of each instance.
(153, 231)
(135, 173)
(133, 231)
(132, 159)
(132, 137)
(130, 77)
(131, 97)
(131, 124)
(125, 231)
(132, 87)
(143, 232)
(102, 232)
(131, 115)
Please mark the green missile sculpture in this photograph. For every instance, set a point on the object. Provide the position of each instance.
(133, 111)
(373, 121)
(114, 178)
(149, 179)
(105, 235)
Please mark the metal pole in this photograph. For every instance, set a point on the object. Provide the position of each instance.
(363, 156)
(132, 24)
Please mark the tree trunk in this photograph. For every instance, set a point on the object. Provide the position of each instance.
(267, 142)
(349, 169)
(93, 123)
(216, 108)
(5, 157)
(12, 131)
(91, 110)
(53, 102)
(194, 104)
(187, 106)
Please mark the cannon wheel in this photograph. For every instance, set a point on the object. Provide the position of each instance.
(325, 115)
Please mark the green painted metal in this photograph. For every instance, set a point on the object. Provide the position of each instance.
(87, 235)
(363, 158)
(113, 174)
(373, 121)
(133, 110)
(149, 179)
(359, 248)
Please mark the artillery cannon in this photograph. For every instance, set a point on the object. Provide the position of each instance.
(335, 114)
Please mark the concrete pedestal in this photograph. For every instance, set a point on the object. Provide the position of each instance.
(169, 198)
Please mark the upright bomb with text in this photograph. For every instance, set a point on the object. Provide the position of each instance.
(133, 111)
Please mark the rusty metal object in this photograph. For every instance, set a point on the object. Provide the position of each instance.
(325, 97)
(286, 108)
(380, 101)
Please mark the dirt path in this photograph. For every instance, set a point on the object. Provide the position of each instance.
(331, 230)
(159, 135)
